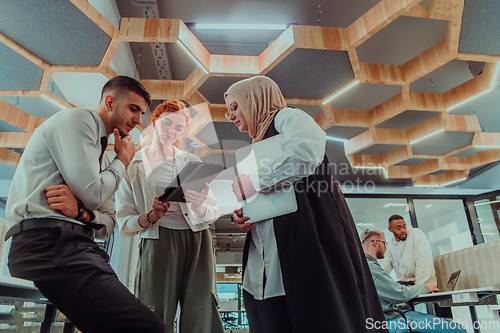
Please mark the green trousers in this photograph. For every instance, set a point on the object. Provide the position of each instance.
(179, 267)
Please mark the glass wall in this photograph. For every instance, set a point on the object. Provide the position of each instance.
(375, 212)
(445, 223)
(488, 217)
(232, 309)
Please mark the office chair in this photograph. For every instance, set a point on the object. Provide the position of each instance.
(401, 313)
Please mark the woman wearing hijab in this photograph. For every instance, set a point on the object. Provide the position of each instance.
(304, 271)
(176, 259)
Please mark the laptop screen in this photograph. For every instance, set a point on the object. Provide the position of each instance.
(452, 282)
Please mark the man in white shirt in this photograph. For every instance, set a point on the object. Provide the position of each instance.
(409, 253)
(392, 294)
(60, 199)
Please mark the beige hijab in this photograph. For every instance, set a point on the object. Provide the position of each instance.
(259, 98)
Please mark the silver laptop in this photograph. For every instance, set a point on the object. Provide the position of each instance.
(263, 206)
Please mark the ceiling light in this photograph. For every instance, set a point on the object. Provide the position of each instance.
(495, 77)
(221, 26)
(181, 44)
(486, 203)
(395, 204)
(56, 103)
(454, 181)
(428, 206)
(467, 100)
(371, 167)
(364, 224)
(427, 136)
(329, 99)
(480, 146)
(426, 185)
(331, 138)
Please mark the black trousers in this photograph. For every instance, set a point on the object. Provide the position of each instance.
(267, 316)
(73, 273)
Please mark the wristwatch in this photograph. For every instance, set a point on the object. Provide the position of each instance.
(81, 210)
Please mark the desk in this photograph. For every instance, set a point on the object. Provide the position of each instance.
(17, 290)
(465, 297)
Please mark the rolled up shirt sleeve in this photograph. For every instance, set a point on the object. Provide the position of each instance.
(303, 145)
(105, 214)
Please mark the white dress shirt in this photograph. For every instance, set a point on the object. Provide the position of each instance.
(303, 150)
(65, 149)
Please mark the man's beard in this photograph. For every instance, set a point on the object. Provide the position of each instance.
(402, 239)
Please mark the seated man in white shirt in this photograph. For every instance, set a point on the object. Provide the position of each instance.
(60, 199)
(391, 293)
(409, 253)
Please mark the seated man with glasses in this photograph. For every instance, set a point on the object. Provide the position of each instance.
(391, 293)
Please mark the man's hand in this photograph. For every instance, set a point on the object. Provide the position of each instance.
(243, 184)
(432, 288)
(124, 148)
(197, 199)
(240, 220)
(60, 198)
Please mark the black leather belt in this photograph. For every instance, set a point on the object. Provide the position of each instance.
(49, 223)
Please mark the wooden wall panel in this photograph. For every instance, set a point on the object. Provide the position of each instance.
(9, 157)
(381, 74)
(149, 30)
(164, 89)
(14, 139)
(231, 65)
(322, 38)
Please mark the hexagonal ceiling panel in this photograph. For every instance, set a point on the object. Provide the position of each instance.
(442, 143)
(214, 88)
(402, 40)
(215, 134)
(323, 73)
(411, 161)
(80, 41)
(469, 152)
(373, 95)
(407, 119)
(480, 26)
(17, 72)
(312, 110)
(444, 78)
(345, 132)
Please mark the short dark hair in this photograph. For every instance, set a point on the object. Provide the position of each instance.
(395, 217)
(122, 83)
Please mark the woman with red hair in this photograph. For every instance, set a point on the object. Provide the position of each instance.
(176, 259)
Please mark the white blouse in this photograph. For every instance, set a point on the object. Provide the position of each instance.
(303, 145)
(162, 175)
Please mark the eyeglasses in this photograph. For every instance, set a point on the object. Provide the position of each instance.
(231, 110)
(378, 240)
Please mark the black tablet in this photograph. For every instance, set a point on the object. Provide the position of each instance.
(193, 176)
